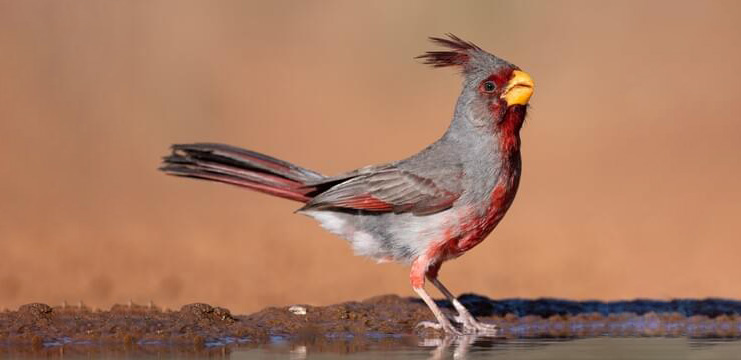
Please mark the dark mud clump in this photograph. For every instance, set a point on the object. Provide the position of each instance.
(202, 327)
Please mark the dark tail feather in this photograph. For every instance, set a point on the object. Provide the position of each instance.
(231, 165)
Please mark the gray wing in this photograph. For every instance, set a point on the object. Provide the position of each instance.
(389, 189)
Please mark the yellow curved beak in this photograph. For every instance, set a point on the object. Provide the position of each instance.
(519, 89)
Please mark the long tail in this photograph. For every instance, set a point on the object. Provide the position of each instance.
(231, 165)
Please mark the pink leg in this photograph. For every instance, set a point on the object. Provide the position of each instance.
(470, 324)
(420, 268)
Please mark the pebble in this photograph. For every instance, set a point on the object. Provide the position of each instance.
(297, 310)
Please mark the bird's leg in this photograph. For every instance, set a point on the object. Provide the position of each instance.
(417, 277)
(470, 325)
(442, 321)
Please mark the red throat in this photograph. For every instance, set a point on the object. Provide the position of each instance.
(474, 226)
(509, 129)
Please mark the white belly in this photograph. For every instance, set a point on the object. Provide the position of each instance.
(386, 237)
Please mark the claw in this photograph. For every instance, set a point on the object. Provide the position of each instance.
(473, 327)
(429, 325)
(483, 329)
(448, 330)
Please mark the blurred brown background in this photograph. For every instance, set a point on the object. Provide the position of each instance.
(631, 152)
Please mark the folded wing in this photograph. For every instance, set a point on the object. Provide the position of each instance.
(386, 190)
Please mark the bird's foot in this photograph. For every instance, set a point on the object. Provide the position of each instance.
(472, 327)
(467, 327)
(447, 328)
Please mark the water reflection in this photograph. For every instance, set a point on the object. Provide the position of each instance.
(472, 347)
(390, 347)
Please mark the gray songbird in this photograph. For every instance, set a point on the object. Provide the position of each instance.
(423, 210)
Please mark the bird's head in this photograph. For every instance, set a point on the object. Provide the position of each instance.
(495, 92)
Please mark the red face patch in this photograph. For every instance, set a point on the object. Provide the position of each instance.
(499, 79)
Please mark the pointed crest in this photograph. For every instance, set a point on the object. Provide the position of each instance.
(457, 57)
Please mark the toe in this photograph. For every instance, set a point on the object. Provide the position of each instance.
(487, 329)
(447, 329)
(428, 325)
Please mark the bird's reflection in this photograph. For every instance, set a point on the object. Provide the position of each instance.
(461, 346)
(458, 345)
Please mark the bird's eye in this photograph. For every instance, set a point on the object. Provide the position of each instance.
(489, 86)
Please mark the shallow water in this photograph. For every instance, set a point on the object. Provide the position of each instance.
(403, 347)
(593, 348)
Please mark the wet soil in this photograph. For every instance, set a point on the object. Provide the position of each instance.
(350, 326)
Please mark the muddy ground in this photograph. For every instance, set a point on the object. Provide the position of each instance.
(350, 326)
